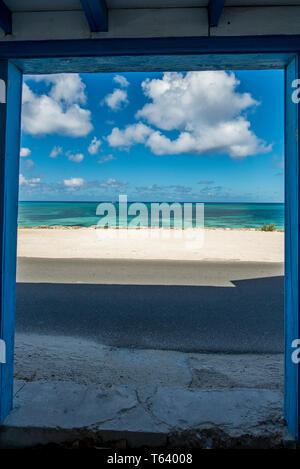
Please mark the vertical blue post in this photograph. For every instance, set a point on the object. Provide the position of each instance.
(292, 251)
(10, 112)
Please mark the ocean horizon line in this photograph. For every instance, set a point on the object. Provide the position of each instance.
(146, 202)
(216, 214)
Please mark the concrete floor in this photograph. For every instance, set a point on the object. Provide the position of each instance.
(68, 388)
(59, 412)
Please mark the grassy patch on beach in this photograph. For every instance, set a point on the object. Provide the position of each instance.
(270, 227)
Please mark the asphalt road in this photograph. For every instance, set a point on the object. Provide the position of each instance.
(230, 307)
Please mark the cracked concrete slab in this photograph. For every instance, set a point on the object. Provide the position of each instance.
(18, 385)
(61, 411)
(232, 410)
(69, 405)
(69, 388)
(57, 411)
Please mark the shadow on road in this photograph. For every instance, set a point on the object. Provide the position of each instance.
(247, 318)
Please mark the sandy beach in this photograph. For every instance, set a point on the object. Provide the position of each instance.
(211, 244)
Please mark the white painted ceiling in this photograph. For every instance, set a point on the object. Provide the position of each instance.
(54, 5)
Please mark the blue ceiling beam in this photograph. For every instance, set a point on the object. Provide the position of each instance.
(5, 18)
(96, 14)
(150, 46)
(215, 8)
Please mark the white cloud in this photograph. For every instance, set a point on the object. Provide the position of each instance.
(94, 146)
(204, 108)
(70, 185)
(121, 80)
(55, 152)
(206, 181)
(59, 111)
(106, 159)
(116, 99)
(150, 188)
(33, 182)
(25, 151)
(132, 134)
(66, 87)
(113, 183)
(74, 182)
(197, 98)
(172, 189)
(232, 137)
(22, 180)
(80, 183)
(77, 157)
(28, 165)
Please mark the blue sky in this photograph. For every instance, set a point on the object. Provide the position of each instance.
(197, 136)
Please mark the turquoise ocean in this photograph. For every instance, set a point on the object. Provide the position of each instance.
(219, 215)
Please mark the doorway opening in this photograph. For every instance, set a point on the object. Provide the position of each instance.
(153, 315)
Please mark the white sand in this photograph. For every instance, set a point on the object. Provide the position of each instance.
(190, 244)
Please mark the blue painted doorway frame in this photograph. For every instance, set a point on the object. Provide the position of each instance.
(292, 251)
(100, 55)
(10, 112)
